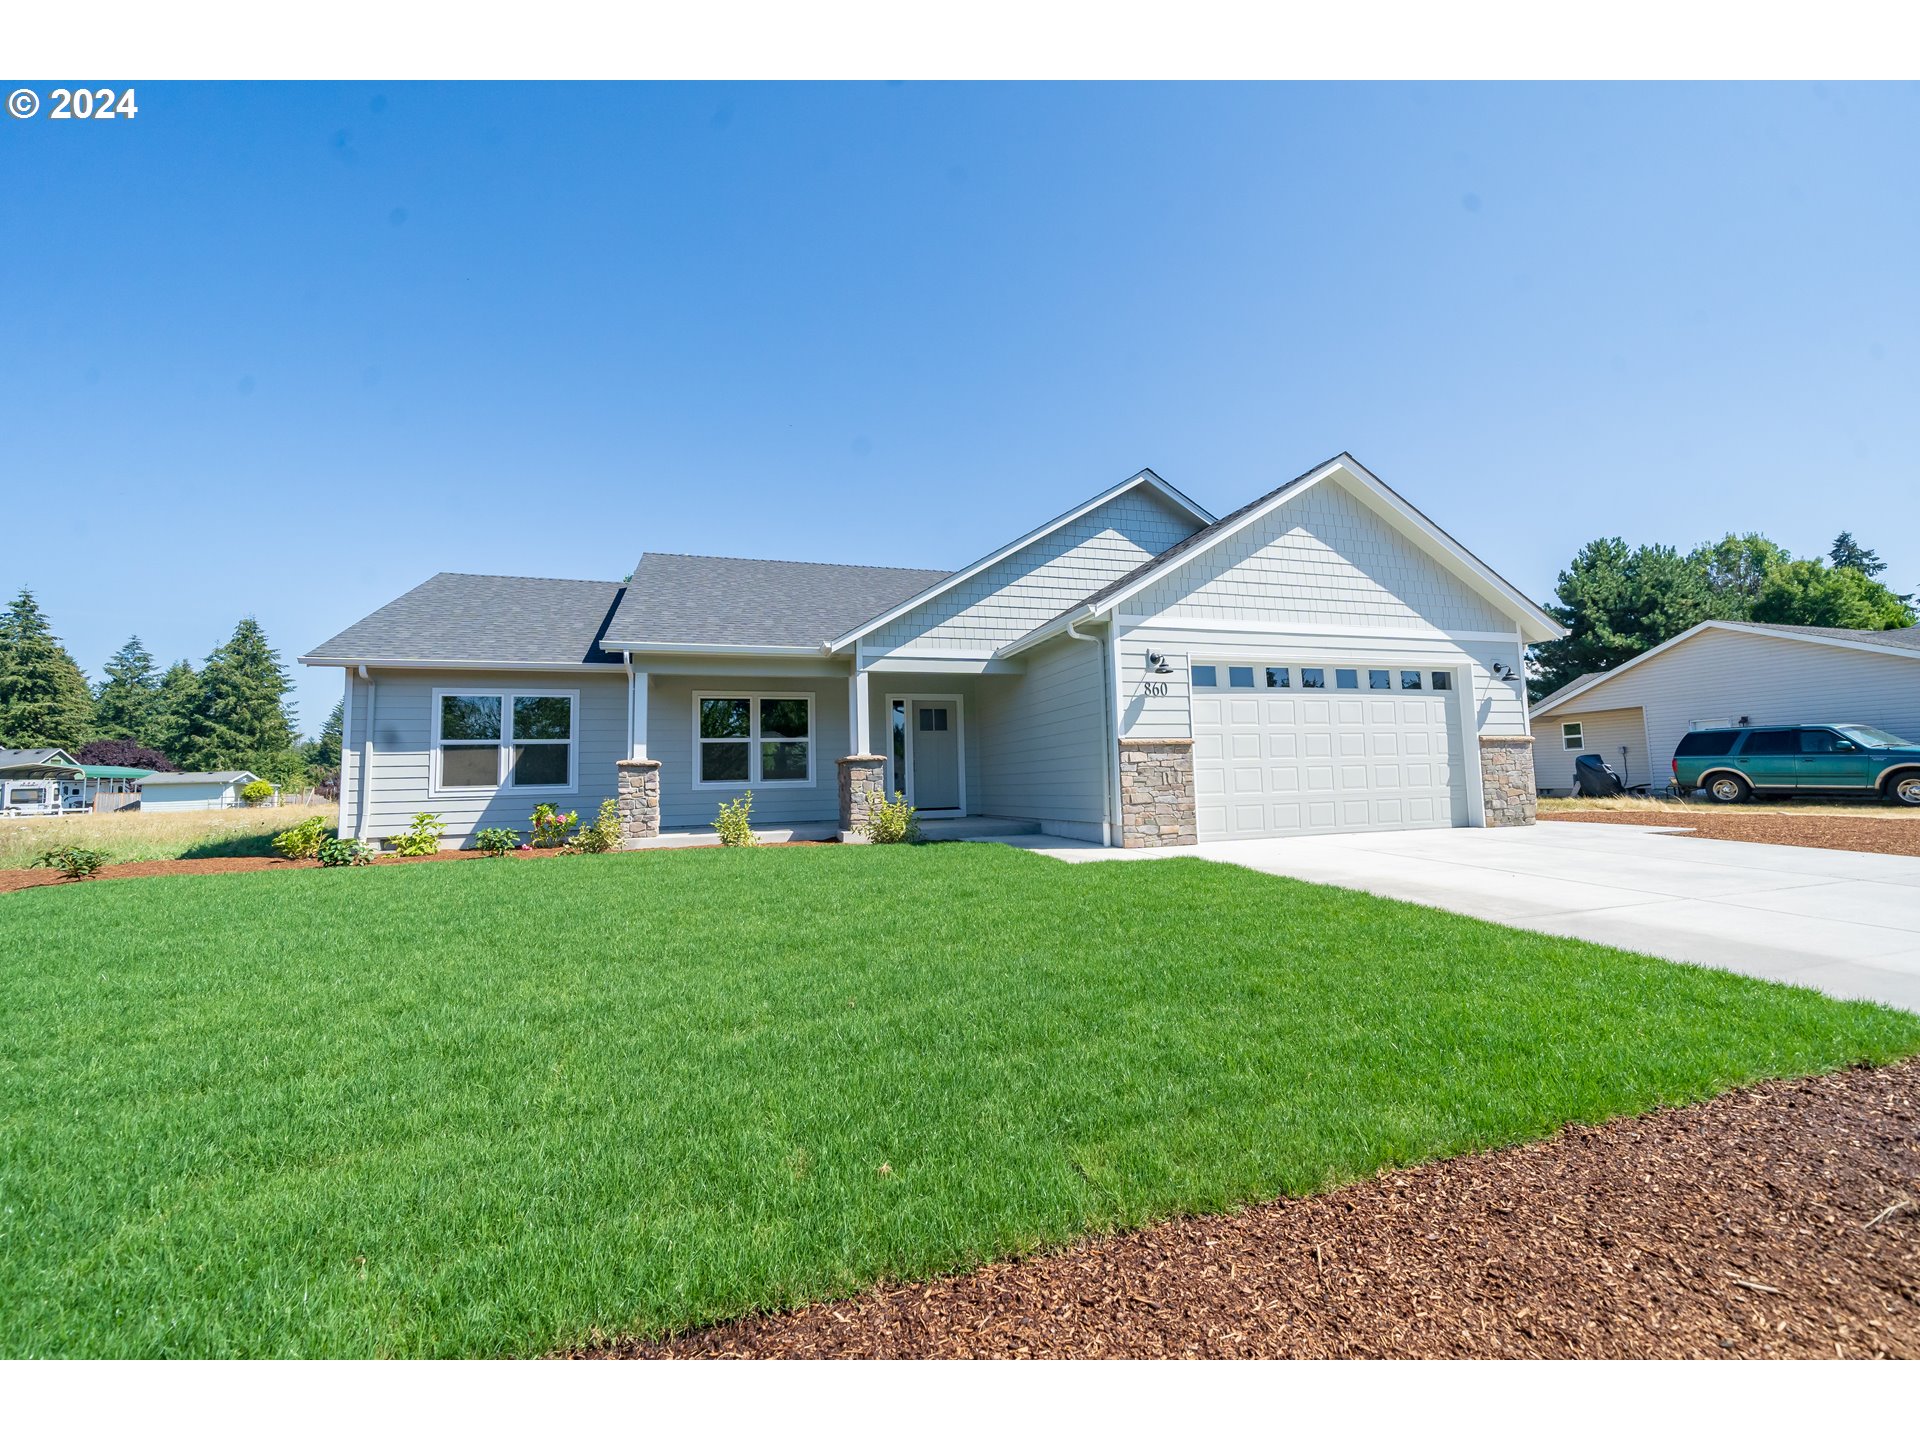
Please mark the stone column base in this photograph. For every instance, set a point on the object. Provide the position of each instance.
(638, 797)
(1156, 794)
(860, 775)
(1506, 779)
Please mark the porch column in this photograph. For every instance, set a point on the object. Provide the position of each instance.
(859, 724)
(861, 778)
(637, 714)
(638, 799)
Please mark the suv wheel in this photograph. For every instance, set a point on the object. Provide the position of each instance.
(1905, 788)
(1728, 789)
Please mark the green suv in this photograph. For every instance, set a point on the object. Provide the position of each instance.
(1731, 765)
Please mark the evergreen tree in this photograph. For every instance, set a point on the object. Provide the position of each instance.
(241, 721)
(44, 698)
(1617, 603)
(1848, 554)
(174, 708)
(1807, 592)
(324, 754)
(123, 705)
(1735, 568)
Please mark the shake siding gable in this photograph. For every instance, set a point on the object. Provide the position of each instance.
(1323, 558)
(1031, 586)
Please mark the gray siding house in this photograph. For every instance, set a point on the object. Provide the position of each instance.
(1724, 672)
(1134, 672)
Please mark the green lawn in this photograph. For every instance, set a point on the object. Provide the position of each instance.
(482, 1108)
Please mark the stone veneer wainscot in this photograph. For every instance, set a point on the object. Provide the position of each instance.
(1156, 794)
(1506, 779)
(860, 776)
(638, 799)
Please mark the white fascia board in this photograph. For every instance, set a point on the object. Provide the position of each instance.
(355, 662)
(1145, 477)
(908, 664)
(1593, 683)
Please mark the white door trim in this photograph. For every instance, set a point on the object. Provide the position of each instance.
(904, 783)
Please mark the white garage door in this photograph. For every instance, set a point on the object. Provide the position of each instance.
(1291, 749)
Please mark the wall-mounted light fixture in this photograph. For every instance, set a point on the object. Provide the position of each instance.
(1500, 671)
(1159, 664)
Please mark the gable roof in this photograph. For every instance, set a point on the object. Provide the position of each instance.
(196, 777)
(1143, 479)
(707, 602)
(482, 619)
(1904, 642)
(46, 757)
(1435, 540)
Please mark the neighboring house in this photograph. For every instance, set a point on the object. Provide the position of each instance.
(1726, 673)
(194, 789)
(106, 787)
(34, 782)
(1134, 672)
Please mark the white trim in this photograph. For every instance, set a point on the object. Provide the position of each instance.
(346, 742)
(905, 784)
(752, 739)
(940, 587)
(862, 720)
(898, 664)
(573, 668)
(1435, 540)
(503, 747)
(660, 647)
(366, 754)
(1133, 624)
(1593, 682)
(639, 693)
(1579, 739)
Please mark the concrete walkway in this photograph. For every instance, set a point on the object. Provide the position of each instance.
(1837, 920)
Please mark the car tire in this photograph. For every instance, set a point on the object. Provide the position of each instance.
(1904, 788)
(1728, 790)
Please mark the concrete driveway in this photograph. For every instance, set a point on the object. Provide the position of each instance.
(1842, 922)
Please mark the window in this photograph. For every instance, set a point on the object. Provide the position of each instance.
(1824, 742)
(1772, 742)
(932, 718)
(1379, 680)
(1277, 677)
(1240, 677)
(1571, 737)
(1205, 677)
(1347, 679)
(1707, 742)
(522, 739)
(1409, 679)
(755, 739)
(1442, 680)
(1313, 679)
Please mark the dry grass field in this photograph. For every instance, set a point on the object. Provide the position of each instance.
(1679, 812)
(132, 835)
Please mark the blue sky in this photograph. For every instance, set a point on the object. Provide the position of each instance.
(289, 349)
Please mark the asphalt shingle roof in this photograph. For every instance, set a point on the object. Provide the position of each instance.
(14, 759)
(718, 600)
(197, 777)
(504, 618)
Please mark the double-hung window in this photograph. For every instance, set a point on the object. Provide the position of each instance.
(753, 739)
(1572, 736)
(517, 739)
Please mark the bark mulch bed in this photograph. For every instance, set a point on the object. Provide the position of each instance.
(1895, 834)
(1770, 1222)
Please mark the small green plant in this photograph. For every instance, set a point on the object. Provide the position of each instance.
(76, 862)
(257, 792)
(735, 821)
(302, 842)
(890, 822)
(340, 850)
(601, 836)
(422, 837)
(495, 840)
(550, 826)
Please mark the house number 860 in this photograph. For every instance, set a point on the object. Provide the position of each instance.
(1155, 687)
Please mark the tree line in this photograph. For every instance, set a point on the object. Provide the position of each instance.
(1618, 602)
(229, 714)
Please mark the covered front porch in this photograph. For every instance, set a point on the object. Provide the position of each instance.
(968, 742)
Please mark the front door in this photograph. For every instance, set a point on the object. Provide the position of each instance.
(926, 753)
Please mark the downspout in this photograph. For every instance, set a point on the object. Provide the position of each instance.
(1110, 724)
(366, 758)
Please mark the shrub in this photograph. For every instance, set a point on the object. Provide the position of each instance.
(735, 821)
(302, 842)
(890, 822)
(122, 752)
(76, 862)
(339, 850)
(496, 841)
(601, 836)
(422, 837)
(550, 826)
(257, 792)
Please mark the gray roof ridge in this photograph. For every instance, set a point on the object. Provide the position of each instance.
(763, 560)
(500, 575)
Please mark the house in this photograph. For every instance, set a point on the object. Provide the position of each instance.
(106, 787)
(33, 782)
(194, 789)
(1136, 671)
(1724, 672)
